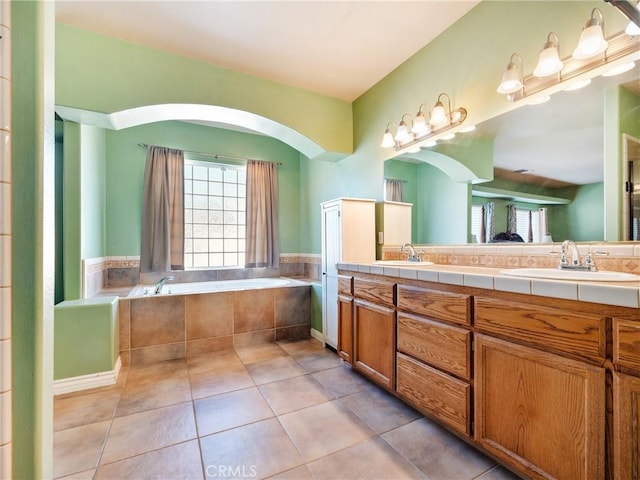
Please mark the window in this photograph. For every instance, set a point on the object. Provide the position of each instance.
(476, 222)
(522, 222)
(214, 215)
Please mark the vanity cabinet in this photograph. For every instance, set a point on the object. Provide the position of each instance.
(540, 388)
(374, 331)
(434, 354)
(345, 318)
(626, 400)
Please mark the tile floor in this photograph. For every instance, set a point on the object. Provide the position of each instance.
(290, 410)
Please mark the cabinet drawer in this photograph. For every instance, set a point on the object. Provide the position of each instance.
(578, 335)
(345, 285)
(435, 393)
(439, 345)
(380, 293)
(626, 344)
(445, 306)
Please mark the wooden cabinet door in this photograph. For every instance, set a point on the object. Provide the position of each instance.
(540, 413)
(375, 343)
(345, 328)
(626, 427)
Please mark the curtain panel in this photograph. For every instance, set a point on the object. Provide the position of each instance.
(162, 239)
(394, 190)
(512, 218)
(262, 242)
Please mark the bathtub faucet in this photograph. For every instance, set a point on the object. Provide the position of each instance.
(161, 283)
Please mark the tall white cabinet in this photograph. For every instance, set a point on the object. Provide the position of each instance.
(348, 235)
(393, 224)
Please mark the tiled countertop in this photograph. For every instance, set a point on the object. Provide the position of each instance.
(623, 294)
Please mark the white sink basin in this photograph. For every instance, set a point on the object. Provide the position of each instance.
(401, 263)
(557, 274)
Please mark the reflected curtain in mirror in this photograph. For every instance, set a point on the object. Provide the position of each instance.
(490, 215)
(263, 249)
(394, 190)
(162, 247)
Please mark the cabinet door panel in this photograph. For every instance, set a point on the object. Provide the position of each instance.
(626, 427)
(375, 343)
(440, 345)
(626, 345)
(345, 328)
(435, 393)
(541, 413)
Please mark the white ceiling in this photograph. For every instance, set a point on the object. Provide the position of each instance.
(336, 48)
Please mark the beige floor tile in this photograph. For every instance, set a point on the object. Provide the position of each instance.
(78, 449)
(302, 347)
(214, 361)
(298, 473)
(230, 410)
(341, 381)
(498, 473)
(152, 372)
(274, 369)
(146, 431)
(181, 461)
(380, 410)
(84, 409)
(294, 393)
(436, 452)
(371, 459)
(86, 475)
(319, 361)
(221, 380)
(258, 450)
(334, 424)
(259, 353)
(140, 396)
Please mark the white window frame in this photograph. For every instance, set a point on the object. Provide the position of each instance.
(215, 215)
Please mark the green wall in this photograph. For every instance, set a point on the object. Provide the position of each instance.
(125, 172)
(102, 74)
(33, 238)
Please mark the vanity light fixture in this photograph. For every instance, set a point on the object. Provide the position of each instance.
(402, 133)
(590, 59)
(578, 85)
(467, 129)
(424, 126)
(512, 76)
(387, 138)
(549, 62)
(633, 28)
(439, 117)
(592, 40)
(421, 124)
(617, 70)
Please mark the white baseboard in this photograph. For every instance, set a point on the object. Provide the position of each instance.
(317, 335)
(84, 382)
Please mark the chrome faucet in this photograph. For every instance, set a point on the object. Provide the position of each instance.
(413, 256)
(568, 249)
(161, 282)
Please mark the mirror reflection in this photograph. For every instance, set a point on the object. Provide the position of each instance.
(550, 178)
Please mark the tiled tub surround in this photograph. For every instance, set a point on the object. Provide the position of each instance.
(181, 326)
(618, 256)
(113, 272)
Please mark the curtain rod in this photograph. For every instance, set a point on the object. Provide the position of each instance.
(403, 181)
(214, 155)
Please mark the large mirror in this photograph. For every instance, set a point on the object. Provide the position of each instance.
(549, 156)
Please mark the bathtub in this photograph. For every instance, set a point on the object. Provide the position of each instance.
(204, 317)
(213, 286)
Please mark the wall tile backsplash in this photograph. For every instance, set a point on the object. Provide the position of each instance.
(619, 257)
